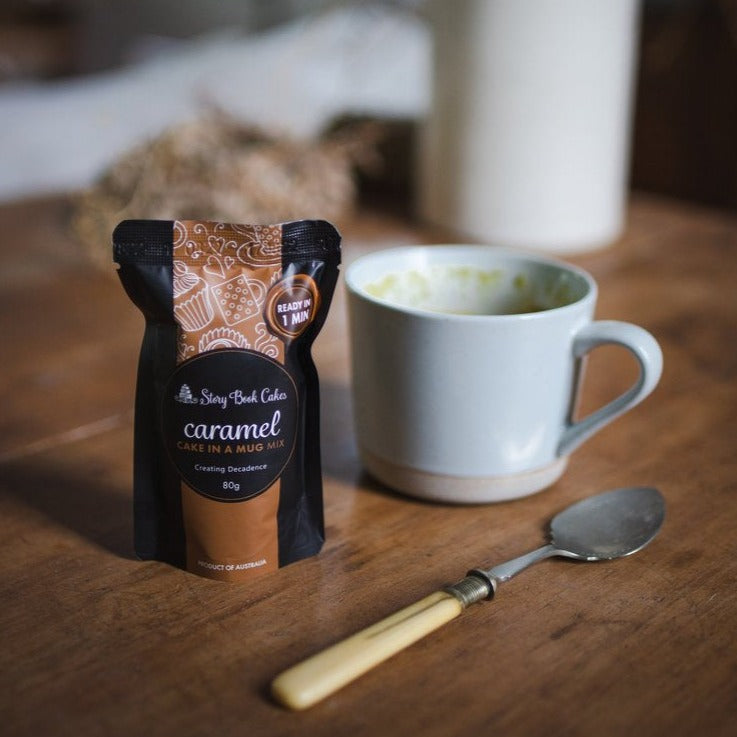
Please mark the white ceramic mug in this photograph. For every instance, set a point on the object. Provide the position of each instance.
(466, 364)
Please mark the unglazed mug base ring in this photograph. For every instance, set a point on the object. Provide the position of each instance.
(444, 488)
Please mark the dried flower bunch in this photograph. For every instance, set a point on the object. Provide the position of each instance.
(219, 168)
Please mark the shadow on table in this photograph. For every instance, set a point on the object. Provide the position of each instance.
(85, 504)
(337, 437)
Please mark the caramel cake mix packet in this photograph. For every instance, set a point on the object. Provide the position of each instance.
(227, 479)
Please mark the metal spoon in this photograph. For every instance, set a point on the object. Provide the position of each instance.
(602, 527)
(609, 525)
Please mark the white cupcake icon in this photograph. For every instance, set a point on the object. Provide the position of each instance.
(192, 307)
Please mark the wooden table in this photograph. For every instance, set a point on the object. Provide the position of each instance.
(95, 642)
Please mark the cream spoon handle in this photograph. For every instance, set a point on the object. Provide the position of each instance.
(324, 673)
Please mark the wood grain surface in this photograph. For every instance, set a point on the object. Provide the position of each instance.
(95, 642)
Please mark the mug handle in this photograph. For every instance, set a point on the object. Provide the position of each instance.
(643, 347)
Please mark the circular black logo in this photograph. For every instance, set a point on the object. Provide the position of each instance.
(229, 419)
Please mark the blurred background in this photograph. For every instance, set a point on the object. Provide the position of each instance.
(85, 82)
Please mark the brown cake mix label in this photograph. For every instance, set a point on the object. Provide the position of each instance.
(237, 491)
(230, 423)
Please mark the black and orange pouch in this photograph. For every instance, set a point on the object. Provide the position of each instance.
(227, 477)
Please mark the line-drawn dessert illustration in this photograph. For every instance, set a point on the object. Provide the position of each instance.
(239, 299)
(266, 343)
(192, 304)
(222, 338)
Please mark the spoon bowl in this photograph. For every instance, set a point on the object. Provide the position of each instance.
(609, 525)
